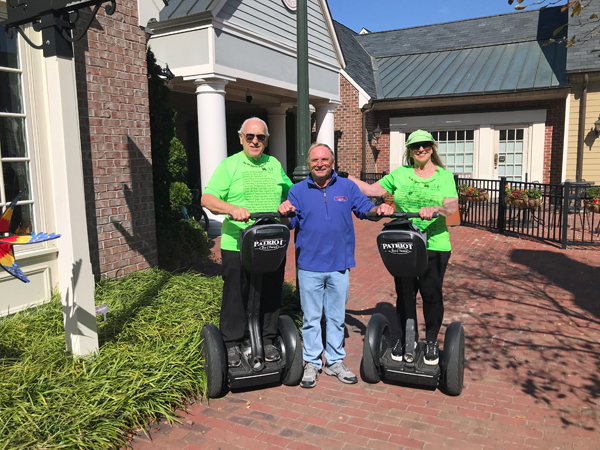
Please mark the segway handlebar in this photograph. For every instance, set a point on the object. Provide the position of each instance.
(266, 215)
(399, 215)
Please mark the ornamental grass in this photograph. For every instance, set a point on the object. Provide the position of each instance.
(147, 366)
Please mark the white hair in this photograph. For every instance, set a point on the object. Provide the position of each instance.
(315, 145)
(241, 130)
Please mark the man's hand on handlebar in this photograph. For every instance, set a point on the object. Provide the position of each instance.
(240, 214)
(385, 210)
(427, 212)
(285, 208)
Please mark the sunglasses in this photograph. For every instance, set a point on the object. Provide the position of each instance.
(259, 137)
(416, 147)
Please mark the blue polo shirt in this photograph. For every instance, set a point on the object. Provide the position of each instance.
(325, 232)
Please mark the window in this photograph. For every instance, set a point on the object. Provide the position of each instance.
(456, 149)
(14, 154)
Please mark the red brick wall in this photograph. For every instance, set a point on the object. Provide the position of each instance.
(112, 88)
(348, 125)
(377, 156)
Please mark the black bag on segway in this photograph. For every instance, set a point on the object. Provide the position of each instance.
(403, 249)
(263, 246)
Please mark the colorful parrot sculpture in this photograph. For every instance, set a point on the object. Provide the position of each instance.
(7, 256)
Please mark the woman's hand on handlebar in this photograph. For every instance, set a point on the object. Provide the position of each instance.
(427, 212)
(240, 214)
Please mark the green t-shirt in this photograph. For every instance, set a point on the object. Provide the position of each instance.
(411, 193)
(258, 186)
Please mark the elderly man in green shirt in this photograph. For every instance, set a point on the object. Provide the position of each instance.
(245, 183)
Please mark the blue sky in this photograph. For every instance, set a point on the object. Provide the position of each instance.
(379, 15)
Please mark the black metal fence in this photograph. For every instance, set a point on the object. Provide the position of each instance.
(558, 216)
(372, 177)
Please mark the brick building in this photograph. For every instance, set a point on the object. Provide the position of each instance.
(500, 100)
(75, 132)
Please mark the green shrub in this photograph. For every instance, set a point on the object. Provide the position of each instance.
(180, 196)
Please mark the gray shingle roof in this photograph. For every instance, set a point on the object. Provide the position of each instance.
(482, 31)
(583, 57)
(358, 61)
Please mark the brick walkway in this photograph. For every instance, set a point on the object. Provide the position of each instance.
(531, 314)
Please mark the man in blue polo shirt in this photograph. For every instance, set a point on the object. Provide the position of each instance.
(325, 243)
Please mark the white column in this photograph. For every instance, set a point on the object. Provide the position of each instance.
(212, 129)
(277, 138)
(325, 124)
(76, 279)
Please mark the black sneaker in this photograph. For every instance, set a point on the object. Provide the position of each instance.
(233, 356)
(271, 353)
(398, 351)
(432, 354)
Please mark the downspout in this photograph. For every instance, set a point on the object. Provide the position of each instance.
(581, 134)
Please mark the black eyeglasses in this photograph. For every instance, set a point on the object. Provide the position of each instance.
(259, 137)
(426, 146)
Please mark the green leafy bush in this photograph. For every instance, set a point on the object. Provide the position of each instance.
(180, 196)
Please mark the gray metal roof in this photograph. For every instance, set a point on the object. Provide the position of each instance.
(494, 54)
(182, 8)
(358, 61)
(492, 69)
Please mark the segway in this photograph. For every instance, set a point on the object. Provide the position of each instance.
(403, 249)
(263, 246)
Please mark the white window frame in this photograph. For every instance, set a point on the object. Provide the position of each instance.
(486, 141)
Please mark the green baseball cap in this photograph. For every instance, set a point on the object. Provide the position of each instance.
(419, 136)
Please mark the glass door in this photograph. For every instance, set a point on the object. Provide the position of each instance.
(511, 155)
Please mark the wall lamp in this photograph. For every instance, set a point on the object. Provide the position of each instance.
(597, 127)
(166, 72)
(376, 134)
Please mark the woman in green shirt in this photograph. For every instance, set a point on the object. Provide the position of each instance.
(425, 187)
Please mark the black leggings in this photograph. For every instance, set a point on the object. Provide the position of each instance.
(236, 287)
(430, 285)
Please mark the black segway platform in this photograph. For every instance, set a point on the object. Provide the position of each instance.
(263, 246)
(403, 249)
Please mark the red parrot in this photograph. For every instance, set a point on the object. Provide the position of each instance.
(7, 256)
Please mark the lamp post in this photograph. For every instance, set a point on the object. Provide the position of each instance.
(303, 115)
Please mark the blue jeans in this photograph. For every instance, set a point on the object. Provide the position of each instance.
(328, 292)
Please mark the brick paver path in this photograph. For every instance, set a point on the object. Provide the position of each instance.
(531, 314)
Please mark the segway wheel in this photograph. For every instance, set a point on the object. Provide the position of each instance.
(377, 341)
(292, 351)
(453, 358)
(215, 360)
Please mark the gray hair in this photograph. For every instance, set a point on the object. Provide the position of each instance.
(316, 144)
(241, 130)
